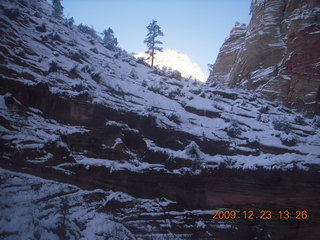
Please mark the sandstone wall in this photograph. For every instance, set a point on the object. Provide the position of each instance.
(278, 54)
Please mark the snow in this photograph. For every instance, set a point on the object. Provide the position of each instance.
(33, 206)
(3, 105)
(134, 165)
(224, 226)
(262, 72)
(279, 44)
(200, 224)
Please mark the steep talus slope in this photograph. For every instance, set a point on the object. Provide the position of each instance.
(96, 125)
(278, 55)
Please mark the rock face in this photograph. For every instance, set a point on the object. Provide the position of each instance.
(174, 60)
(228, 54)
(278, 54)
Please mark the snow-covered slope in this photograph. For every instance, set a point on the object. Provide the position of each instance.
(70, 66)
(173, 60)
(44, 209)
(74, 112)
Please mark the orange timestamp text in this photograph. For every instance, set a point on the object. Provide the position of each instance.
(262, 214)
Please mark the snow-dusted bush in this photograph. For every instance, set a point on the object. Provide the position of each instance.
(264, 109)
(155, 88)
(77, 55)
(55, 37)
(176, 74)
(144, 83)
(50, 37)
(195, 90)
(132, 62)
(193, 151)
(288, 139)
(150, 109)
(195, 83)
(133, 74)
(70, 22)
(243, 102)
(41, 28)
(174, 92)
(174, 118)
(72, 43)
(167, 72)
(96, 76)
(95, 50)
(222, 166)
(88, 30)
(115, 201)
(263, 118)
(73, 72)
(233, 130)
(299, 119)
(87, 69)
(158, 71)
(282, 124)
(316, 121)
(226, 163)
(186, 171)
(200, 224)
(203, 95)
(53, 67)
(19, 51)
(253, 97)
(190, 97)
(79, 87)
(253, 140)
(218, 106)
(141, 61)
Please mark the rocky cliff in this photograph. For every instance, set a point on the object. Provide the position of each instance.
(277, 55)
(173, 60)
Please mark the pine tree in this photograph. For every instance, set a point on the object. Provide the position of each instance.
(153, 32)
(109, 40)
(57, 9)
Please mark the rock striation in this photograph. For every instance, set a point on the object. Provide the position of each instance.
(277, 54)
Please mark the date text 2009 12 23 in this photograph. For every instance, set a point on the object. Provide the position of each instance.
(262, 214)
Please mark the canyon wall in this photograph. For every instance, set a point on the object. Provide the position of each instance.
(278, 54)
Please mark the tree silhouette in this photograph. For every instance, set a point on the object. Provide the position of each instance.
(154, 31)
(109, 40)
(57, 9)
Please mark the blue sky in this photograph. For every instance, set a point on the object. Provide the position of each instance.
(194, 27)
